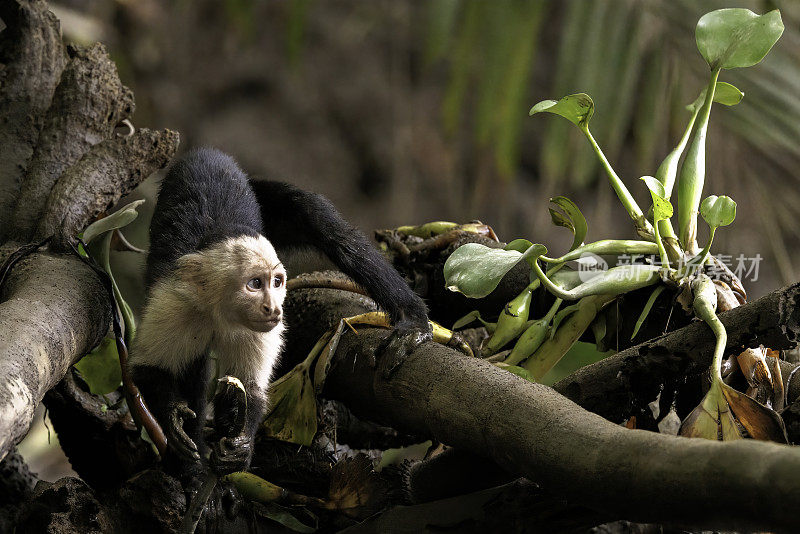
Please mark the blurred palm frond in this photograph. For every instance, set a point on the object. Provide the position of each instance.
(639, 62)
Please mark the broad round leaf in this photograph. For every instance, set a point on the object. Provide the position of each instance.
(475, 270)
(100, 368)
(577, 108)
(724, 93)
(520, 245)
(737, 37)
(718, 211)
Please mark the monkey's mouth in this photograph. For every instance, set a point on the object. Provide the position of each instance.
(270, 323)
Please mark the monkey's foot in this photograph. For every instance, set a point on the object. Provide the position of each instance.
(229, 455)
(396, 348)
(177, 438)
(228, 497)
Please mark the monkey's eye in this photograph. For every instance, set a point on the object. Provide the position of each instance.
(254, 284)
(277, 280)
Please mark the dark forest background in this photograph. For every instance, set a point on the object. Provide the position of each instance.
(403, 112)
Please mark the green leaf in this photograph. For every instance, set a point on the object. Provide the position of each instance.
(468, 318)
(712, 418)
(530, 340)
(284, 516)
(718, 211)
(607, 247)
(475, 270)
(516, 370)
(662, 208)
(119, 219)
(97, 237)
(724, 93)
(577, 108)
(654, 185)
(615, 281)
(561, 315)
(646, 310)
(572, 218)
(510, 324)
(737, 37)
(520, 245)
(100, 368)
(292, 413)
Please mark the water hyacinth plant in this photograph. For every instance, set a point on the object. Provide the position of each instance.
(726, 39)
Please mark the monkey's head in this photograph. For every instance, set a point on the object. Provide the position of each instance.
(242, 279)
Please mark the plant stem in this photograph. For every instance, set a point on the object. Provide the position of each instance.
(719, 348)
(633, 209)
(693, 172)
(704, 253)
(553, 309)
(705, 308)
(666, 174)
(195, 509)
(661, 251)
(668, 170)
(700, 258)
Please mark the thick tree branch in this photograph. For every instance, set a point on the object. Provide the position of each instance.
(88, 103)
(31, 49)
(532, 430)
(102, 443)
(54, 310)
(105, 173)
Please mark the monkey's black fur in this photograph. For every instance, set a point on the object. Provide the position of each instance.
(294, 218)
(205, 199)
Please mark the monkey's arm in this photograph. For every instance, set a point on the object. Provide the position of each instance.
(294, 218)
(178, 404)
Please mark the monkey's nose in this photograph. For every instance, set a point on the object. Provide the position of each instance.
(273, 314)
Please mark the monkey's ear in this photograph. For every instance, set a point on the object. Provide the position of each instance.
(190, 268)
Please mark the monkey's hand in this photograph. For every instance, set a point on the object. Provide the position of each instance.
(177, 438)
(229, 455)
(407, 336)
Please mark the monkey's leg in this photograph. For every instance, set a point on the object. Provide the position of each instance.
(232, 448)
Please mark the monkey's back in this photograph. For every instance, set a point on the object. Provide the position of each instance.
(204, 199)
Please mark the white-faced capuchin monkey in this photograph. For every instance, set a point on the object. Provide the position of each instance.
(215, 284)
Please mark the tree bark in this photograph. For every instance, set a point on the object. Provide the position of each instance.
(88, 103)
(53, 310)
(33, 57)
(530, 429)
(62, 165)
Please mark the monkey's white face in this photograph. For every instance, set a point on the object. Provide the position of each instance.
(260, 300)
(242, 279)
